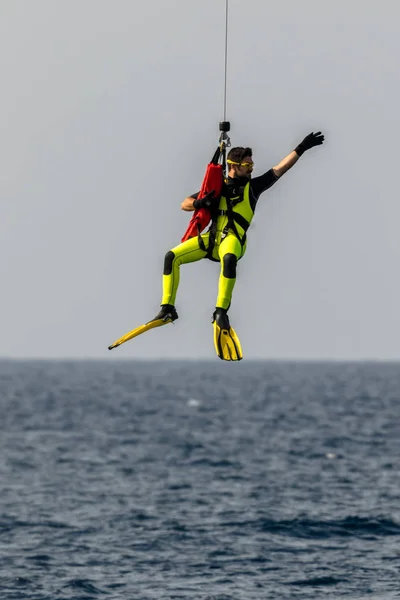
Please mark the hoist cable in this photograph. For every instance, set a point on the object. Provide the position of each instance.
(226, 56)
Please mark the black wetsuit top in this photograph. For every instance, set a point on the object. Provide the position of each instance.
(258, 185)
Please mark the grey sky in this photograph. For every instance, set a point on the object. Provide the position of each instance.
(109, 114)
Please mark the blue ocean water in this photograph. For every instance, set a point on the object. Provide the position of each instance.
(210, 481)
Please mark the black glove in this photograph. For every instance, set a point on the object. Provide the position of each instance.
(205, 201)
(311, 140)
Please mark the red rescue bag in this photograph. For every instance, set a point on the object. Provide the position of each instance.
(213, 180)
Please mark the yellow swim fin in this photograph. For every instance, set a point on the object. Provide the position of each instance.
(166, 315)
(226, 342)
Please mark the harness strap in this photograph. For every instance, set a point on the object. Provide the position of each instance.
(240, 220)
(201, 243)
(233, 219)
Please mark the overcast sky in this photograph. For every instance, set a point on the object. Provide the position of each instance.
(109, 114)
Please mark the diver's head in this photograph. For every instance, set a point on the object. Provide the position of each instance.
(240, 162)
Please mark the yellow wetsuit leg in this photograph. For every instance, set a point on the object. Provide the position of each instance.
(186, 252)
(229, 251)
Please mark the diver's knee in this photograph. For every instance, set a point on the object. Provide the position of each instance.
(229, 266)
(168, 261)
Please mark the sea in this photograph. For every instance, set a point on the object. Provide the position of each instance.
(147, 480)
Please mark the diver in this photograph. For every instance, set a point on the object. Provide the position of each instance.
(225, 241)
(231, 213)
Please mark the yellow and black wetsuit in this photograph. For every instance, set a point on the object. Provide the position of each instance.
(224, 242)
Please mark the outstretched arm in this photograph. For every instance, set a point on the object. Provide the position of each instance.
(286, 164)
(311, 140)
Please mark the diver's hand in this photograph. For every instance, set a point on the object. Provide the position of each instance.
(311, 140)
(205, 202)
